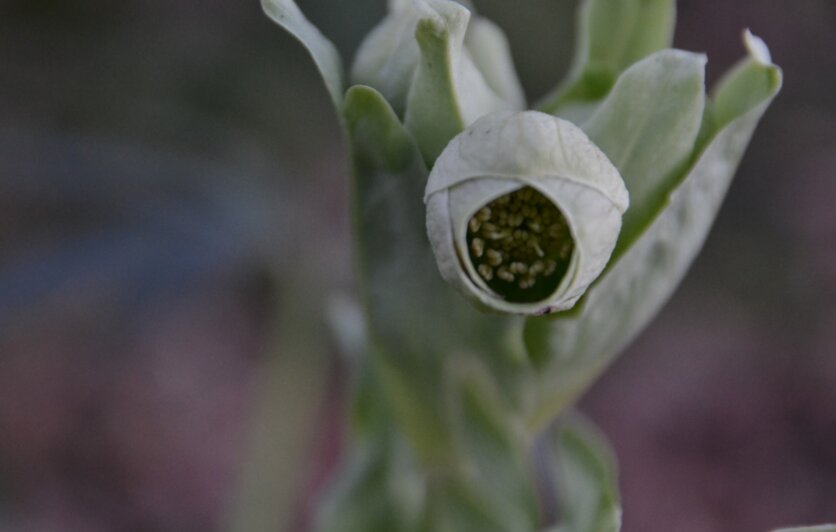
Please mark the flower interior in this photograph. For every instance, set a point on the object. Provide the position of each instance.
(520, 245)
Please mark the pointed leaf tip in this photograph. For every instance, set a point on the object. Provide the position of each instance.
(287, 14)
(757, 48)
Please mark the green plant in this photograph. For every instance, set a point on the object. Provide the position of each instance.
(505, 257)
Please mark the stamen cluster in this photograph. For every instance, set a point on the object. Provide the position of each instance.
(520, 245)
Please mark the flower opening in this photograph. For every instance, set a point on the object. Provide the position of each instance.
(520, 245)
(523, 212)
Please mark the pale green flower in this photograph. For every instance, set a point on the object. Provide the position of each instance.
(523, 212)
(390, 55)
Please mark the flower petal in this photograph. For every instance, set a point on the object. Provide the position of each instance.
(491, 53)
(448, 92)
(508, 152)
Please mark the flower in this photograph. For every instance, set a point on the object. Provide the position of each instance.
(433, 70)
(390, 55)
(518, 219)
(523, 212)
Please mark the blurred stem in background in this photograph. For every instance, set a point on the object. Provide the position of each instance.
(290, 400)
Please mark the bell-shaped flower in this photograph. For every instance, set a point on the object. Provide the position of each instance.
(523, 212)
(483, 70)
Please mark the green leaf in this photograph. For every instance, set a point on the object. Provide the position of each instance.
(448, 92)
(286, 14)
(612, 35)
(492, 468)
(433, 114)
(573, 348)
(389, 56)
(742, 88)
(647, 127)
(448, 372)
(379, 485)
(378, 488)
(389, 176)
(416, 322)
(458, 507)
(586, 479)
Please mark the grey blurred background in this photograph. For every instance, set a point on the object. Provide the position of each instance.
(173, 222)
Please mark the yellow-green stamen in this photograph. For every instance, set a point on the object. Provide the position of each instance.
(520, 245)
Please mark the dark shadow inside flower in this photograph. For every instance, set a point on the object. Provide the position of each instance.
(520, 245)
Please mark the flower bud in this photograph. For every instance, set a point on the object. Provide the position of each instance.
(485, 77)
(523, 212)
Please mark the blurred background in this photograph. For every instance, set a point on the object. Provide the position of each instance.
(173, 225)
